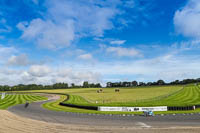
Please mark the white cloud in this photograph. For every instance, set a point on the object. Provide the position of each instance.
(187, 19)
(6, 52)
(48, 34)
(27, 78)
(21, 60)
(39, 70)
(128, 52)
(67, 20)
(48, 75)
(42, 74)
(72, 52)
(168, 66)
(118, 42)
(85, 57)
(76, 76)
(90, 18)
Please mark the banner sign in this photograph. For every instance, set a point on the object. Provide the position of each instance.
(3, 95)
(133, 109)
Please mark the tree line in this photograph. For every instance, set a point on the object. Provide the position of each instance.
(86, 84)
(159, 82)
(22, 87)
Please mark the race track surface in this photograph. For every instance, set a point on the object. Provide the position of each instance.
(36, 112)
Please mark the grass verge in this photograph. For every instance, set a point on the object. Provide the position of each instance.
(14, 99)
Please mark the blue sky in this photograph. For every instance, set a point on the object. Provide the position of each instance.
(49, 41)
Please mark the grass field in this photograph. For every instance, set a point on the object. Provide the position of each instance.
(109, 96)
(138, 96)
(56, 107)
(14, 99)
(189, 95)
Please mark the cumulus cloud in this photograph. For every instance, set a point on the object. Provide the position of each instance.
(26, 78)
(6, 52)
(169, 66)
(91, 17)
(78, 77)
(39, 70)
(118, 42)
(42, 74)
(85, 57)
(72, 52)
(121, 52)
(20, 60)
(64, 21)
(48, 34)
(187, 19)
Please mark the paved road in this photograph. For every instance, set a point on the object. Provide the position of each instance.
(35, 111)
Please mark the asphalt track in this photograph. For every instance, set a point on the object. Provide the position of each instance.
(35, 111)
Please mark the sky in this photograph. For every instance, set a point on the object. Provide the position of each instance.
(72, 41)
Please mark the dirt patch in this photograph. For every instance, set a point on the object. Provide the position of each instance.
(11, 123)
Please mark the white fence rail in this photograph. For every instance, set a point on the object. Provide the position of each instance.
(133, 109)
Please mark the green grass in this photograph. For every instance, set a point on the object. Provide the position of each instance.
(126, 95)
(14, 99)
(56, 107)
(187, 96)
(138, 96)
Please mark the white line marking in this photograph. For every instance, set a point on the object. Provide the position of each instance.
(141, 124)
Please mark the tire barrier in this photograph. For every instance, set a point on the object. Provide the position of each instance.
(181, 108)
(197, 106)
(79, 106)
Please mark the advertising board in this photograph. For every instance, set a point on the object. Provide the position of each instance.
(133, 109)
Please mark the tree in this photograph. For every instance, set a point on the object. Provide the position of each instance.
(98, 85)
(142, 84)
(160, 82)
(149, 83)
(134, 83)
(86, 84)
(108, 84)
(72, 85)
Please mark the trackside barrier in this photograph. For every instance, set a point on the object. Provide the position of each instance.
(180, 108)
(197, 106)
(133, 109)
(79, 106)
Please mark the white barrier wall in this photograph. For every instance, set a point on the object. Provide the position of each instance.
(133, 109)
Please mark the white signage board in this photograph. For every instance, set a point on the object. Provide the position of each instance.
(110, 108)
(133, 109)
(3, 95)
